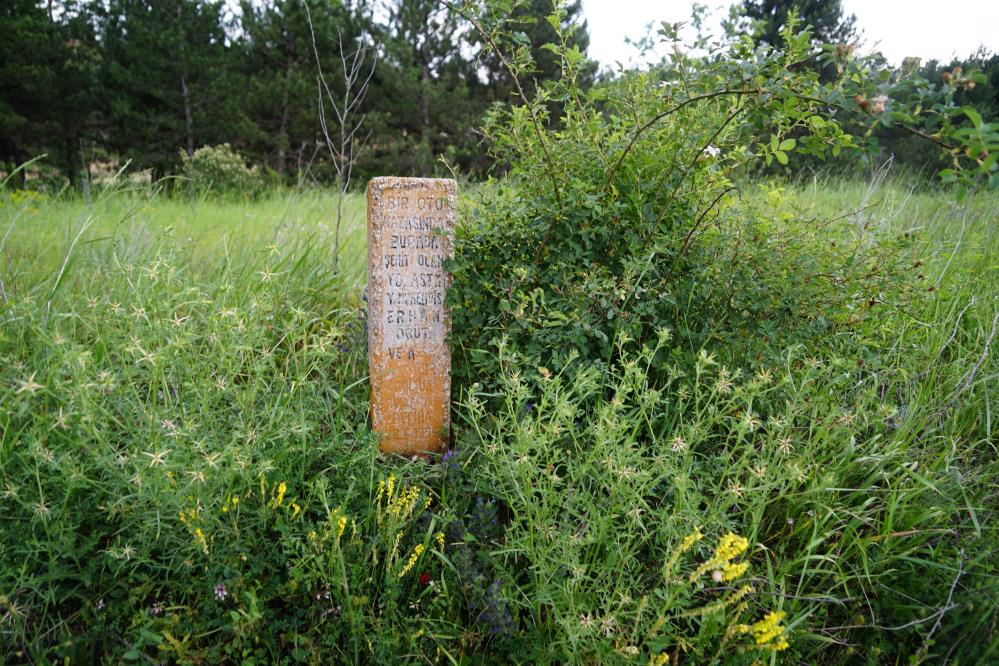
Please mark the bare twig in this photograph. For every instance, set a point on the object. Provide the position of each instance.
(950, 599)
(688, 239)
(938, 613)
(910, 130)
(697, 155)
(345, 148)
(969, 376)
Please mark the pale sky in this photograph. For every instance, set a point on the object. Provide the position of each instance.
(898, 28)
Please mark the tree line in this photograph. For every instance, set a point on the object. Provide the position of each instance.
(145, 80)
(87, 82)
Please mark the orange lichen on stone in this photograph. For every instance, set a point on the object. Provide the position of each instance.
(410, 227)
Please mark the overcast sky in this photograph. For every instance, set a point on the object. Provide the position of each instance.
(924, 28)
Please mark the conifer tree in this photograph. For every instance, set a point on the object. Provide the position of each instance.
(168, 79)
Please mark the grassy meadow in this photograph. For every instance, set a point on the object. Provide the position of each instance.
(188, 477)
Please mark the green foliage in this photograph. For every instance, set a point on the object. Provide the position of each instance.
(625, 257)
(600, 522)
(166, 82)
(626, 213)
(275, 63)
(49, 73)
(219, 170)
(767, 19)
(973, 82)
(699, 420)
(611, 222)
(182, 353)
(130, 80)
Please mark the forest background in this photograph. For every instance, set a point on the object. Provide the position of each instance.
(93, 85)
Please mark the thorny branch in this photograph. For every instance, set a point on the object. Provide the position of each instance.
(488, 38)
(659, 116)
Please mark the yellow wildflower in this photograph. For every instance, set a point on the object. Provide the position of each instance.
(395, 548)
(341, 525)
(729, 547)
(768, 628)
(739, 595)
(278, 498)
(199, 536)
(685, 545)
(440, 541)
(295, 510)
(732, 571)
(378, 500)
(660, 659)
(768, 633)
(412, 560)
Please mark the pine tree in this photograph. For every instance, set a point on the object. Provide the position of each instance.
(280, 101)
(48, 72)
(421, 94)
(168, 79)
(768, 17)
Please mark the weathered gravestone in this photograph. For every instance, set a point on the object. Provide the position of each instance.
(410, 227)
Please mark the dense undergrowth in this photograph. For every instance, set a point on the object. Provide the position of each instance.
(188, 475)
(696, 419)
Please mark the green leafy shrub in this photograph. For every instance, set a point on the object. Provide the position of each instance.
(629, 215)
(221, 171)
(630, 210)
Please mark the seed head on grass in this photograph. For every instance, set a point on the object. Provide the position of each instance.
(29, 386)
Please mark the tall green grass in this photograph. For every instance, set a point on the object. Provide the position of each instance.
(205, 233)
(187, 473)
(862, 470)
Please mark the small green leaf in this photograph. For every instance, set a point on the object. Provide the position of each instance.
(781, 156)
(787, 144)
(973, 115)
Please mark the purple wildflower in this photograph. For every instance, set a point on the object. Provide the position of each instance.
(220, 592)
(156, 609)
(449, 461)
(526, 409)
(495, 614)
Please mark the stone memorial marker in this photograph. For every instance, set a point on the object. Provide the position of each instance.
(410, 227)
